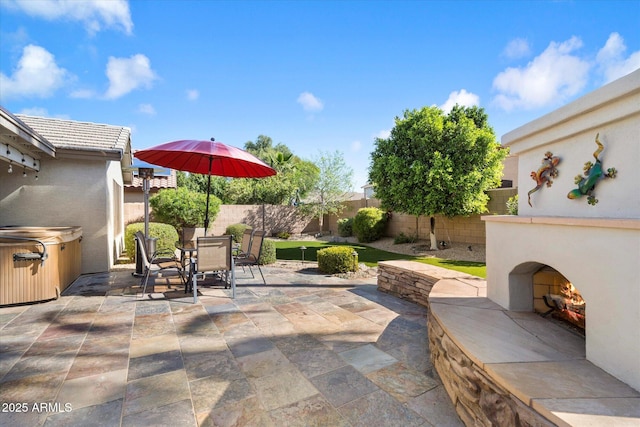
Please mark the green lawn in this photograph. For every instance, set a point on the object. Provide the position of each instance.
(290, 250)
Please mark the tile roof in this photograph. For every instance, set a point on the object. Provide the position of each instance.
(162, 181)
(82, 136)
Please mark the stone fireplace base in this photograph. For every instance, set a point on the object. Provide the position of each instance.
(508, 368)
(591, 254)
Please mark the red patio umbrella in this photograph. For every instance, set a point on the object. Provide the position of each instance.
(208, 158)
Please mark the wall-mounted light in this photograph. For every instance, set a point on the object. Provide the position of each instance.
(13, 155)
(24, 173)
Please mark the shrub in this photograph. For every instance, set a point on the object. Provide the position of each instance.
(284, 235)
(369, 223)
(403, 238)
(337, 259)
(512, 205)
(236, 230)
(268, 255)
(166, 234)
(183, 207)
(345, 227)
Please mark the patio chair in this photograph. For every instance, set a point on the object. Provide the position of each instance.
(214, 255)
(245, 245)
(253, 256)
(156, 262)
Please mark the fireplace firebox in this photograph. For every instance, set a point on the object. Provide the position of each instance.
(554, 296)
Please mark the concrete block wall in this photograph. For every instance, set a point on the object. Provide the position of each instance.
(469, 230)
(271, 218)
(459, 229)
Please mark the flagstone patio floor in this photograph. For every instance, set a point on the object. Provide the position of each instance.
(305, 349)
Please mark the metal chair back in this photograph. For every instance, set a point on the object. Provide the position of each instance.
(214, 254)
(256, 246)
(245, 245)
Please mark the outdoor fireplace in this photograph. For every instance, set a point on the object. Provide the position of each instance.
(556, 297)
(576, 239)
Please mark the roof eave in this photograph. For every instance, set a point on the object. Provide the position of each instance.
(20, 129)
(84, 154)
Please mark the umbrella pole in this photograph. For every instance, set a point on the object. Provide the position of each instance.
(145, 189)
(206, 215)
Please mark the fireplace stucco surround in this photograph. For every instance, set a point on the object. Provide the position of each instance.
(596, 247)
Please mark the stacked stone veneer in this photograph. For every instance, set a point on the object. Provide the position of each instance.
(478, 399)
(408, 280)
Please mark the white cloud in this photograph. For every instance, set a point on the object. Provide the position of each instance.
(611, 60)
(517, 48)
(83, 94)
(42, 112)
(462, 98)
(356, 146)
(309, 102)
(37, 75)
(147, 109)
(127, 74)
(384, 134)
(95, 15)
(550, 78)
(35, 111)
(192, 94)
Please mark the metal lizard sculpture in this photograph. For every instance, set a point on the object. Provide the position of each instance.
(545, 172)
(592, 174)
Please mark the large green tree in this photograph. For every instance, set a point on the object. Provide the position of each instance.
(437, 163)
(332, 188)
(198, 183)
(293, 180)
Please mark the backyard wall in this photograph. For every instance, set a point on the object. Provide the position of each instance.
(272, 218)
(459, 229)
(278, 218)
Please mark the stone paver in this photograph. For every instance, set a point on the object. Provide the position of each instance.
(305, 349)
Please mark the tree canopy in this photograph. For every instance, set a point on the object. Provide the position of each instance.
(294, 178)
(332, 187)
(183, 207)
(437, 163)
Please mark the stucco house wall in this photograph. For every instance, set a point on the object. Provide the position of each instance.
(115, 205)
(81, 184)
(59, 198)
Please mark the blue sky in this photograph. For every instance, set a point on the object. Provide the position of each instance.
(316, 75)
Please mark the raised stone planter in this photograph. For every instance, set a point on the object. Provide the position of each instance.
(411, 280)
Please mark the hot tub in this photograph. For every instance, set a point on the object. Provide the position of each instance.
(38, 263)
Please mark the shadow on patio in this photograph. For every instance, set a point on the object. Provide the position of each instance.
(311, 349)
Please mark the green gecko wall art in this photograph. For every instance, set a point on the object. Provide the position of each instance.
(593, 172)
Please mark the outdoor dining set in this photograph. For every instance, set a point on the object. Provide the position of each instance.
(209, 254)
(216, 256)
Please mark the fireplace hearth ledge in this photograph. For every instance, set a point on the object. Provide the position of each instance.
(499, 366)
